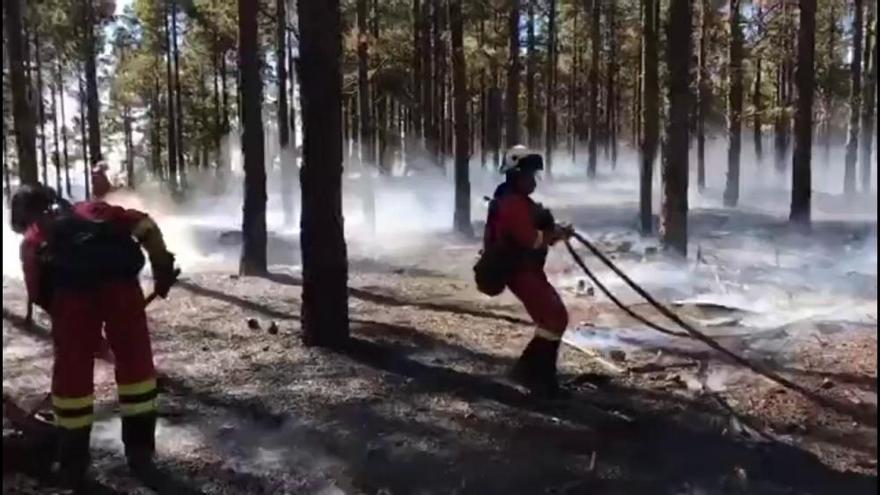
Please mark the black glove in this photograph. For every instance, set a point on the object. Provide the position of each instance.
(164, 274)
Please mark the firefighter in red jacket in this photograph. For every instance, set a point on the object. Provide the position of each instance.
(515, 219)
(77, 317)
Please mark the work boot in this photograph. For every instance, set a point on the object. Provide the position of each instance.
(138, 435)
(536, 369)
(74, 460)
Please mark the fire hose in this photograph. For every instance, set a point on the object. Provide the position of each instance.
(691, 332)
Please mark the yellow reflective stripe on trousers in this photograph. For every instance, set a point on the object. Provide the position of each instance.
(72, 402)
(138, 387)
(74, 422)
(138, 407)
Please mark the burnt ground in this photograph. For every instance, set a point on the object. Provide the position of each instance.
(418, 402)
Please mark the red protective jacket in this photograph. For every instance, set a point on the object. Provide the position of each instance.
(34, 237)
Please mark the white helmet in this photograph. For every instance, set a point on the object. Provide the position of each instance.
(521, 158)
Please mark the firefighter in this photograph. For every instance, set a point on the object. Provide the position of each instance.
(100, 183)
(529, 229)
(79, 308)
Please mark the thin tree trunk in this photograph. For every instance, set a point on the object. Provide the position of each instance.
(758, 104)
(613, 91)
(855, 100)
(41, 106)
(60, 81)
(178, 113)
(531, 71)
(92, 88)
(253, 228)
(172, 120)
(56, 154)
(129, 146)
(574, 119)
(513, 74)
(325, 265)
(550, 112)
(484, 105)
(288, 165)
(366, 118)
(652, 117)
(869, 99)
(85, 142)
(673, 226)
(595, 41)
(427, 96)
(462, 217)
(828, 89)
(801, 176)
(703, 94)
(735, 103)
(638, 96)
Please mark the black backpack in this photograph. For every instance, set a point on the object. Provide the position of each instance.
(80, 253)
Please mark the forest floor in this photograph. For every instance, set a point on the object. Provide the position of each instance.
(419, 403)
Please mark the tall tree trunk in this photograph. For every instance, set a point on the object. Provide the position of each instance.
(613, 91)
(758, 104)
(178, 109)
(56, 153)
(639, 78)
(869, 99)
(595, 41)
(484, 98)
(325, 265)
(427, 96)
(92, 87)
(60, 82)
(531, 71)
(828, 84)
(735, 103)
(82, 127)
(253, 227)
(288, 165)
(24, 124)
(41, 106)
(703, 94)
(652, 117)
(574, 119)
(367, 154)
(513, 74)
(855, 99)
(414, 126)
(550, 112)
(673, 227)
(801, 176)
(129, 146)
(172, 120)
(462, 217)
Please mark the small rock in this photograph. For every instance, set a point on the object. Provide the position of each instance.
(591, 291)
(650, 251)
(617, 355)
(266, 349)
(273, 329)
(826, 384)
(253, 324)
(233, 277)
(204, 348)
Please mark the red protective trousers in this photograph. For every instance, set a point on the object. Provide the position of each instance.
(515, 222)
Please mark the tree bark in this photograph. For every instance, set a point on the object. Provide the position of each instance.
(462, 217)
(24, 123)
(801, 176)
(366, 124)
(869, 100)
(325, 265)
(513, 74)
(93, 110)
(735, 103)
(673, 226)
(253, 228)
(703, 94)
(758, 104)
(594, 87)
(550, 112)
(828, 89)
(60, 81)
(613, 94)
(652, 117)
(855, 100)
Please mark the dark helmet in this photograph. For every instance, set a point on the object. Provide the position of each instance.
(521, 159)
(28, 203)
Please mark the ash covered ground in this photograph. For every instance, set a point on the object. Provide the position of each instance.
(419, 403)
